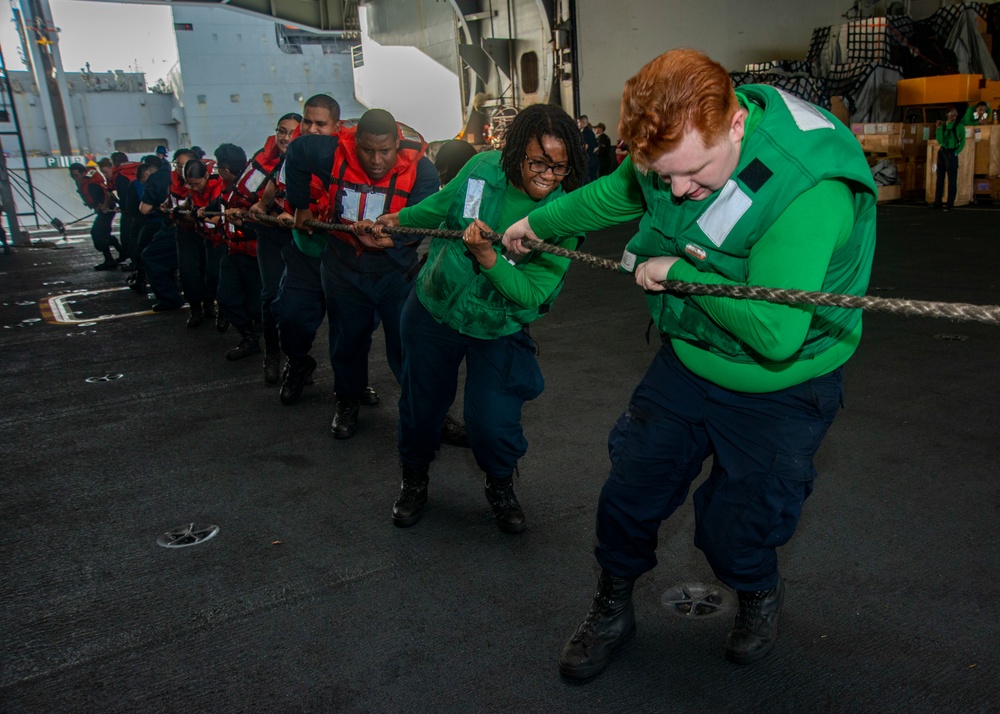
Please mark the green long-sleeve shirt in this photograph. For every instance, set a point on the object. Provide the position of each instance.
(951, 136)
(793, 253)
(529, 286)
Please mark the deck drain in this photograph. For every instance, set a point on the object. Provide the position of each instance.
(31, 320)
(188, 534)
(105, 378)
(86, 324)
(951, 337)
(698, 601)
(24, 303)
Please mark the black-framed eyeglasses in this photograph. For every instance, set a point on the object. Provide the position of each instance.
(540, 167)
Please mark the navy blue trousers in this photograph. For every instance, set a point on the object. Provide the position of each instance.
(762, 447)
(100, 234)
(239, 289)
(947, 167)
(191, 265)
(300, 305)
(125, 235)
(198, 261)
(356, 302)
(270, 242)
(501, 375)
(148, 228)
(159, 261)
(132, 243)
(214, 253)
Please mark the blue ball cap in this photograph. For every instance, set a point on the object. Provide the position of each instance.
(161, 150)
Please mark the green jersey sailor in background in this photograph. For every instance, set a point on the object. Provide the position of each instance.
(742, 187)
(950, 135)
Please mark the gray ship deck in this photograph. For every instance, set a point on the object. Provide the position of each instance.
(309, 600)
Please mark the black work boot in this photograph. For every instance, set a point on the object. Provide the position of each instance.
(249, 345)
(756, 628)
(272, 365)
(196, 318)
(137, 282)
(453, 433)
(109, 262)
(369, 397)
(345, 423)
(296, 377)
(500, 494)
(208, 307)
(412, 497)
(272, 355)
(609, 625)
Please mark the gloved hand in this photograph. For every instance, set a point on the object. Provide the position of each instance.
(311, 244)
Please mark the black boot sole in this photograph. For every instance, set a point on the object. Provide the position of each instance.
(306, 381)
(585, 674)
(343, 433)
(753, 657)
(512, 528)
(408, 521)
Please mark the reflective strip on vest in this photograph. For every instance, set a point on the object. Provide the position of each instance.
(719, 218)
(473, 198)
(806, 116)
(254, 181)
(352, 200)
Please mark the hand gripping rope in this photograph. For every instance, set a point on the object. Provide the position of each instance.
(964, 312)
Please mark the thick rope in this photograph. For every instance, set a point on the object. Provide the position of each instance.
(964, 312)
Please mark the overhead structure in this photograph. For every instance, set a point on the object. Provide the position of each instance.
(507, 54)
(330, 16)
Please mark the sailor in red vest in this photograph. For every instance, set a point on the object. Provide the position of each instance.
(120, 179)
(157, 245)
(130, 205)
(373, 169)
(190, 243)
(299, 306)
(200, 280)
(258, 177)
(93, 189)
(239, 277)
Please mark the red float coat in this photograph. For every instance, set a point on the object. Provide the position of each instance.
(202, 199)
(93, 178)
(352, 191)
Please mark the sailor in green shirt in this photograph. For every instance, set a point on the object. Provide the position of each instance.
(951, 136)
(471, 303)
(736, 187)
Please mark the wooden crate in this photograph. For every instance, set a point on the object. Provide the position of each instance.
(887, 144)
(889, 193)
(915, 138)
(912, 176)
(966, 162)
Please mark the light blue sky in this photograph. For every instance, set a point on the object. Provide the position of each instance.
(109, 35)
